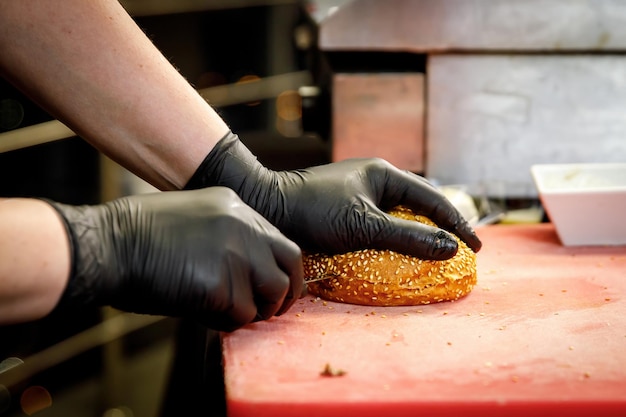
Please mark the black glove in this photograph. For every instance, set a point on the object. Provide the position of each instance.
(200, 254)
(339, 207)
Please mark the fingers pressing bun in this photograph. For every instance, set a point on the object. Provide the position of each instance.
(387, 278)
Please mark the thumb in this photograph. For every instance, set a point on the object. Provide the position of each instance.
(416, 239)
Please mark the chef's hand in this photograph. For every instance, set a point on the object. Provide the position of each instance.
(200, 254)
(339, 207)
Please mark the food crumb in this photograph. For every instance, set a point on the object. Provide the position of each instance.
(607, 299)
(331, 372)
(445, 312)
(587, 375)
(571, 348)
(281, 342)
(298, 314)
(514, 378)
(482, 314)
(449, 343)
(324, 303)
(383, 316)
(405, 314)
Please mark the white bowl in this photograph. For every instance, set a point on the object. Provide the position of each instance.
(585, 202)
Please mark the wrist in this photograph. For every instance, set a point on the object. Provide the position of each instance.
(89, 266)
(231, 164)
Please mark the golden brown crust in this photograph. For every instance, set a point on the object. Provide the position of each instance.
(387, 278)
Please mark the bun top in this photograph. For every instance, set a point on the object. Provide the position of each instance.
(385, 277)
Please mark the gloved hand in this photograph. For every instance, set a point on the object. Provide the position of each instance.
(339, 207)
(200, 254)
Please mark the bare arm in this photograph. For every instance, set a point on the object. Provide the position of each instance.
(92, 67)
(34, 259)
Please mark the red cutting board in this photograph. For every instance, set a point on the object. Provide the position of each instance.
(543, 333)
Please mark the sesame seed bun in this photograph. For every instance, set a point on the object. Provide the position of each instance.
(387, 278)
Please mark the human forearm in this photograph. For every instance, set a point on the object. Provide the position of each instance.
(91, 67)
(34, 259)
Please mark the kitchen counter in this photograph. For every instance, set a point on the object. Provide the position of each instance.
(543, 332)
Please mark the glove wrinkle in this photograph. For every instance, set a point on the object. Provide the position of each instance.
(87, 262)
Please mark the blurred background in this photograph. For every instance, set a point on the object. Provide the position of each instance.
(468, 93)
